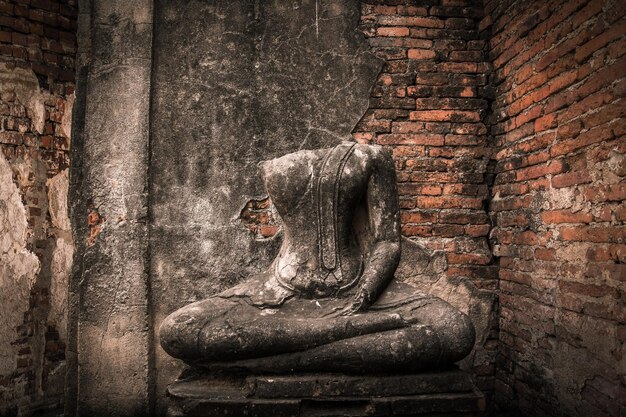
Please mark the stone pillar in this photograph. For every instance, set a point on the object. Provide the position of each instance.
(110, 342)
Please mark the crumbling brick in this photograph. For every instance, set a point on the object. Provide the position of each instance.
(34, 137)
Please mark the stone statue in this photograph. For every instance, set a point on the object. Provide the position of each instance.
(328, 302)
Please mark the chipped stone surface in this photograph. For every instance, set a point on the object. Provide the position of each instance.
(451, 392)
(18, 266)
(426, 270)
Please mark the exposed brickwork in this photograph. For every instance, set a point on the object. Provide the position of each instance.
(558, 203)
(37, 48)
(430, 105)
(258, 216)
(42, 35)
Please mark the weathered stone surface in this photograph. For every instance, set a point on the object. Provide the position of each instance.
(236, 83)
(426, 270)
(325, 385)
(451, 392)
(110, 333)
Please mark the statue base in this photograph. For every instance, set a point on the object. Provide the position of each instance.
(451, 393)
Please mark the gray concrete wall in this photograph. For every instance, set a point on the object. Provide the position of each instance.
(235, 83)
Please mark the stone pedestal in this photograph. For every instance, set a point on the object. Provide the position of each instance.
(449, 393)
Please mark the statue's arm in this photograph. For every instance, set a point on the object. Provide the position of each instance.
(384, 221)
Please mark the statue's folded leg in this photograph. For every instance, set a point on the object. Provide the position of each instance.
(220, 329)
(414, 336)
(453, 328)
(179, 331)
(412, 348)
(438, 336)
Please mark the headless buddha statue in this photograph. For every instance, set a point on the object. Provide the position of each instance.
(329, 301)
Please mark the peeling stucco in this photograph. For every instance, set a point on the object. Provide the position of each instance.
(66, 120)
(18, 265)
(25, 85)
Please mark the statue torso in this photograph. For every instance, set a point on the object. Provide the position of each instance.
(316, 194)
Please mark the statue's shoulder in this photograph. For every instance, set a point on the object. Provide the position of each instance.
(376, 153)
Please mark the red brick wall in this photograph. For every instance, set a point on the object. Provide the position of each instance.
(37, 40)
(430, 105)
(41, 34)
(558, 203)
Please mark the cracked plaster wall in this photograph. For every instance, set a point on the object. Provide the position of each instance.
(235, 83)
(36, 248)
